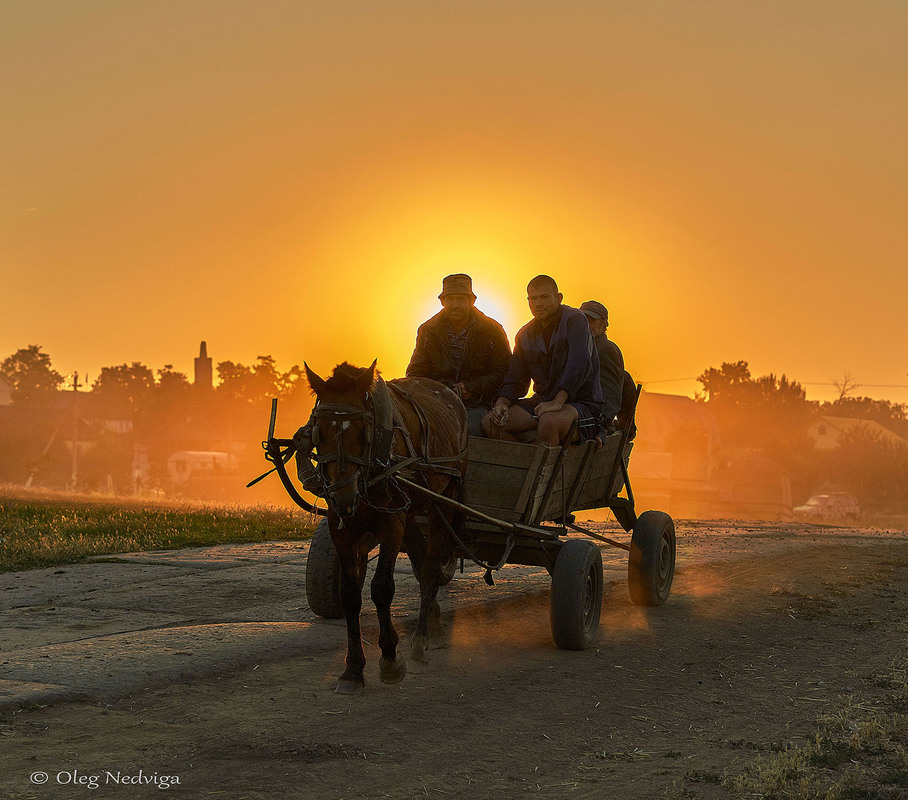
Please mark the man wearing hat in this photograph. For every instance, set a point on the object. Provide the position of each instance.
(611, 362)
(462, 348)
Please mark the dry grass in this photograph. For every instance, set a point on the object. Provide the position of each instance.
(858, 753)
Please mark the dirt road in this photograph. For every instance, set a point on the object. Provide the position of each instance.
(767, 628)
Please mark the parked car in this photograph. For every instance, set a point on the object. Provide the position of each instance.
(832, 507)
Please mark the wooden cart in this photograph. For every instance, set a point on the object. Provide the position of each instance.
(519, 501)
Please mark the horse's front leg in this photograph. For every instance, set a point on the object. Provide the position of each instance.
(391, 667)
(352, 574)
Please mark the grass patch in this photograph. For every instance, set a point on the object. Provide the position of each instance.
(859, 753)
(40, 532)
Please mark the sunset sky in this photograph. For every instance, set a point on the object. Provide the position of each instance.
(295, 179)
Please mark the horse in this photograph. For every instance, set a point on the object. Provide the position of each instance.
(362, 432)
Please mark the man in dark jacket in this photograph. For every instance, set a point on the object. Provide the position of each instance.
(462, 348)
(555, 350)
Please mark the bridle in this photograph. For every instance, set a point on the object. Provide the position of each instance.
(378, 433)
(339, 414)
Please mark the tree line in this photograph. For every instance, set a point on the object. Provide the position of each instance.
(772, 414)
(768, 413)
(33, 381)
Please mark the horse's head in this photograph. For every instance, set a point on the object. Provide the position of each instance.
(342, 433)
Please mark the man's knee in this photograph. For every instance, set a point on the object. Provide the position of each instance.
(551, 428)
(555, 425)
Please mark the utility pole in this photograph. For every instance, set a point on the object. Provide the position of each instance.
(75, 412)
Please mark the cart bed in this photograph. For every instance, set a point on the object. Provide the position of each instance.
(526, 483)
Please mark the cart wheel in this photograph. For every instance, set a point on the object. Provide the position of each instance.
(323, 575)
(448, 570)
(576, 595)
(416, 553)
(651, 565)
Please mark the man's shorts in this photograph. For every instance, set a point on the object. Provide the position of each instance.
(587, 418)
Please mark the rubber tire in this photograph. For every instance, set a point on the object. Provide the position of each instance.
(576, 603)
(448, 570)
(651, 562)
(323, 575)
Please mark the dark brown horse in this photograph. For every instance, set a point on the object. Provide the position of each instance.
(363, 430)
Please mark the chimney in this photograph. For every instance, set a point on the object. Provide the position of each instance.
(203, 372)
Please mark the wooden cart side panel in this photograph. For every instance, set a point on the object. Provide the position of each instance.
(508, 480)
(594, 493)
(562, 481)
(534, 476)
(594, 485)
(502, 476)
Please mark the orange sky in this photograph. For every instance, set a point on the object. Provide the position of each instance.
(295, 178)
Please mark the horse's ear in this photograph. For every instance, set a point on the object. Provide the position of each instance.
(315, 382)
(368, 377)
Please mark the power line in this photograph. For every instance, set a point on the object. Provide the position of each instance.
(803, 383)
(860, 385)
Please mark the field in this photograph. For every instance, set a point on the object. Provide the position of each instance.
(42, 528)
(777, 669)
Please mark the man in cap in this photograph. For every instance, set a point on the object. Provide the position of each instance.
(555, 350)
(462, 348)
(611, 362)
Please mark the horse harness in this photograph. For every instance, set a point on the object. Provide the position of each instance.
(379, 465)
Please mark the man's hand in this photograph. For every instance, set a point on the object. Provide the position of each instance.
(500, 412)
(551, 405)
(555, 404)
(463, 393)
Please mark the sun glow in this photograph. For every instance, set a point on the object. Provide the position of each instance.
(403, 231)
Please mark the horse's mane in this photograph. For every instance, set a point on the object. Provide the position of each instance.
(346, 377)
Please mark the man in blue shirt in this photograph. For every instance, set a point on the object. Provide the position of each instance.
(556, 351)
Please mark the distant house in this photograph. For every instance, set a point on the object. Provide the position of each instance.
(186, 465)
(827, 432)
(680, 465)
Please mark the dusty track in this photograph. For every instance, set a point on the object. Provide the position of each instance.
(766, 627)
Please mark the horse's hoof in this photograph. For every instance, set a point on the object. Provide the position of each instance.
(392, 671)
(417, 666)
(347, 686)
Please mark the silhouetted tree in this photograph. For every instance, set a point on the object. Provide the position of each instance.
(763, 412)
(30, 376)
(172, 383)
(726, 384)
(293, 384)
(128, 383)
(258, 383)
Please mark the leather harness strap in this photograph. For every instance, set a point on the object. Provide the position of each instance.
(386, 423)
